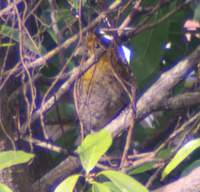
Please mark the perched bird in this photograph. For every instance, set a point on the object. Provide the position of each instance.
(107, 87)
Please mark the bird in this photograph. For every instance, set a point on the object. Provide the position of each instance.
(102, 92)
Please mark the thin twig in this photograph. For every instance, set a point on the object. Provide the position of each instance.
(143, 27)
(9, 7)
(46, 145)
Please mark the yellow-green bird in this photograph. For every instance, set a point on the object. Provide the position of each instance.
(106, 88)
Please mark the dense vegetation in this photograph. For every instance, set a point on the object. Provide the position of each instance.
(39, 128)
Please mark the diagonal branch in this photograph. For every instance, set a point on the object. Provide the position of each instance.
(157, 93)
(151, 99)
(75, 74)
(66, 44)
(189, 183)
(9, 7)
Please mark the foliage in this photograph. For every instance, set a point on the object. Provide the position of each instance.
(90, 151)
(183, 153)
(11, 158)
(39, 55)
(93, 147)
(123, 182)
(68, 184)
(4, 188)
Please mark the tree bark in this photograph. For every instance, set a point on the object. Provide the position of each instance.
(189, 183)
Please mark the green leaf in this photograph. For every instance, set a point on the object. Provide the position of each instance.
(184, 152)
(10, 158)
(68, 184)
(12, 33)
(75, 3)
(164, 154)
(93, 147)
(99, 187)
(6, 44)
(146, 167)
(124, 182)
(111, 186)
(4, 188)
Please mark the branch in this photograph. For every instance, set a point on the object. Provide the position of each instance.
(157, 93)
(9, 7)
(149, 101)
(65, 167)
(66, 44)
(129, 18)
(143, 26)
(189, 183)
(181, 101)
(75, 74)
